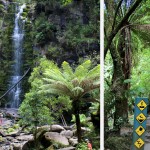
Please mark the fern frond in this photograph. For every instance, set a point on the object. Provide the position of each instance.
(75, 82)
(77, 91)
(94, 72)
(67, 71)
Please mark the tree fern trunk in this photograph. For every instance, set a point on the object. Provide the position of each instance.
(78, 125)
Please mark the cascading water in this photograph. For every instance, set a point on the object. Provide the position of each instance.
(18, 34)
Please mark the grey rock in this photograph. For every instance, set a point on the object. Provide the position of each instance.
(73, 141)
(56, 128)
(16, 146)
(25, 137)
(67, 133)
(54, 136)
(12, 113)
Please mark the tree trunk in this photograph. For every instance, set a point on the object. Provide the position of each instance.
(75, 106)
(121, 104)
(78, 125)
(122, 71)
(118, 91)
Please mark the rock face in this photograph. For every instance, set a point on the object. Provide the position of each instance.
(54, 136)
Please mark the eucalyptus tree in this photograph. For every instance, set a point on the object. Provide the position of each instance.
(74, 84)
(123, 20)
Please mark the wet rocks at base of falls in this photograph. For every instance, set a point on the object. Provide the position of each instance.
(12, 137)
(47, 137)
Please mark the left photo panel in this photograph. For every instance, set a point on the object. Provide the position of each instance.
(50, 74)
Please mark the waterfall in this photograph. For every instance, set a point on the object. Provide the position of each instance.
(18, 34)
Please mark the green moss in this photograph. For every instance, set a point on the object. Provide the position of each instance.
(10, 130)
(26, 10)
(24, 14)
(16, 126)
(1, 139)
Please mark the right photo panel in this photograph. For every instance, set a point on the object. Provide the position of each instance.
(127, 74)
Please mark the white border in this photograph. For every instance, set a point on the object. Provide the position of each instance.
(102, 75)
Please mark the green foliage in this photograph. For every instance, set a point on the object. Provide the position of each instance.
(42, 108)
(43, 30)
(66, 2)
(81, 146)
(140, 76)
(16, 126)
(6, 25)
(83, 119)
(94, 107)
(78, 34)
(73, 84)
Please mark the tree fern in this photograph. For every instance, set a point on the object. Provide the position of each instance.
(67, 71)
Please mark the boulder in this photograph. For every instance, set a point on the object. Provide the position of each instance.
(9, 138)
(56, 128)
(56, 137)
(28, 145)
(12, 113)
(25, 137)
(16, 146)
(73, 141)
(67, 127)
(67, 133)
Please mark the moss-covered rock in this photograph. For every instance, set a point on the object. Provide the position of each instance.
(1, 139)
(10, 130)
